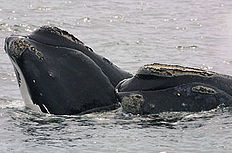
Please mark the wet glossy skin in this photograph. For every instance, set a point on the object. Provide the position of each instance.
(58, 74)
(159, 87)
(62, 78)
(56, 37)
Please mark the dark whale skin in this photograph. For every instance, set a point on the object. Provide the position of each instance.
(60, 38)
(158, 88)
(64, 77)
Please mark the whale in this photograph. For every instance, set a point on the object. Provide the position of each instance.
(58, 74)
(158, 88)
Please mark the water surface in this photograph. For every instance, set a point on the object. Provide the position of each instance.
(130, 33)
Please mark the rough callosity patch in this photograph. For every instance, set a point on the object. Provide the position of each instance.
(18, 46)
(203, 90)
(62, 33)
(171, 70)
(132, 103)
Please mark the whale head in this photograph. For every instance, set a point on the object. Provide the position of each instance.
(56, 78)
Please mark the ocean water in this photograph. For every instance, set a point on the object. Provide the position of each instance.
(130, 33)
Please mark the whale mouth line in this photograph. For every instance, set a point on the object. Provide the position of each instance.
(118, 87)
(148, 90)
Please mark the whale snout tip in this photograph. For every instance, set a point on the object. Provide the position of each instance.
(15, 45)
(8, 43)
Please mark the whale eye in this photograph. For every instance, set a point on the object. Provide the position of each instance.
(39, 55)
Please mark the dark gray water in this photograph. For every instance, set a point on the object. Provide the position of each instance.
(130, 33)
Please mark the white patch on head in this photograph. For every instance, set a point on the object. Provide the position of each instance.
(24, 92)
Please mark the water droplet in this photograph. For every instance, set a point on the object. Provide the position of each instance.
(33, 81)
(166, 20)
(193, 19)
(46, 9)
(139, 42)
(50, 74)
(200, 25)
(4, 78)
(226, 62)
(183, 104)
(28, 30)
(184, 28)
(86, 19)
(68, 2)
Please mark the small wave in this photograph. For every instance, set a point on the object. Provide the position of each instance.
(187, 47)
(6, 103)
(16, 28)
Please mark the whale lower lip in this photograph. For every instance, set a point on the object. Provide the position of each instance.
(24, 89)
